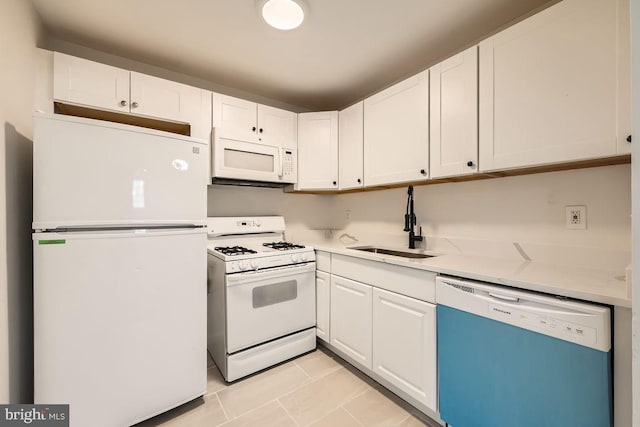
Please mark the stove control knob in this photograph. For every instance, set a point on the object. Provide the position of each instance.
(295, 258)
(242, 265)
(304, 257)
(254, 264)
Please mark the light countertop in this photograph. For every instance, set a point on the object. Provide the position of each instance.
(597, 285)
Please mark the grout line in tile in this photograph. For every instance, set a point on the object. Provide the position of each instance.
(353, 416)
(287, 412)
(354, 397)
(409, 415)
(303, 371)
(262, 406)
(222, 407)
(324, 374)
(310, 381)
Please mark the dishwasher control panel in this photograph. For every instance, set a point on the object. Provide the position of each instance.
(577, 322)
(583, 334)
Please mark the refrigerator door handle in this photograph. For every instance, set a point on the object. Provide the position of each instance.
(126, 228)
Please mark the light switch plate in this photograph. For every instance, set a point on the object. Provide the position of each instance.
(576, 217)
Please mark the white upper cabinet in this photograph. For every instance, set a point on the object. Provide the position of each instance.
(236, 117)
(554, 88)
(251, 122)
(88, 83)
(164, 99)
(396, 133)
(277, 127)
(454, 115)
(351, 128)
(94, 85)
(318, 151)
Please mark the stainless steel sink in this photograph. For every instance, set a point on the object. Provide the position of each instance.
(392, 252)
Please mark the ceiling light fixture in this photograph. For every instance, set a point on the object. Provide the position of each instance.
(283, 14)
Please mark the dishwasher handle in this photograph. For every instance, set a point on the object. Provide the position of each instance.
(504, 297)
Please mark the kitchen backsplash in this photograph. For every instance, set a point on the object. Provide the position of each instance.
(478, 217)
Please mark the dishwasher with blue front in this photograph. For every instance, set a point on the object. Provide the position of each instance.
(511, 358)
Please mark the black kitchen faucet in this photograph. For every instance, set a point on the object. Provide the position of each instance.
(410, 221)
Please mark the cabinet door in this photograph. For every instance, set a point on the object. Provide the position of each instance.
(404, 344)
(236, 117)
(323, 286)
(351, 135)
(396, 133)
(453, 124)
(199, 114)
(549, 86)
(89, 83)
(164, 99)
(277, 127)
(351, 319)
(318, 151)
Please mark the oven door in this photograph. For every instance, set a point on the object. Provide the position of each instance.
(267, 304)
(234, 159)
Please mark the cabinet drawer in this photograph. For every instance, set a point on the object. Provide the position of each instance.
(412, 282)
(323, 261)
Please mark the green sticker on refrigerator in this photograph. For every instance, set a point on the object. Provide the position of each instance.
(52, 242)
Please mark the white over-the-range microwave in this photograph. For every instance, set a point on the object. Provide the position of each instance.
(250, 163)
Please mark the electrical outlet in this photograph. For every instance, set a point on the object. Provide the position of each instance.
(576, 217)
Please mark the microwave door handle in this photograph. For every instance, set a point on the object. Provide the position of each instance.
(280, 161)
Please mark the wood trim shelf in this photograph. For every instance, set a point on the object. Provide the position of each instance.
(127, 119)
(580, 164)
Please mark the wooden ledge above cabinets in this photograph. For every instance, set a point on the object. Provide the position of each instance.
(93, 90)
(127, 119)
(581, 164)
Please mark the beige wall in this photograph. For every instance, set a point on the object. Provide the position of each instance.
(635, 42)
(306, 216)
(19, 33)
(529, 210)
(487, 215)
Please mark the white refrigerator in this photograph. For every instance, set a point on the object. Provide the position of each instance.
(119, 269)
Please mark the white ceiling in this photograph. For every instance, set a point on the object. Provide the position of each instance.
(344, 50)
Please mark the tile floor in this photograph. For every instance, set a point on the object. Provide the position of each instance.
(318, 389)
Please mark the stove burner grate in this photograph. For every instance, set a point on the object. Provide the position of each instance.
(234, 250)
(282, 246)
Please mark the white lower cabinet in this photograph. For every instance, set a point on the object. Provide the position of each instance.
(323, 284)
(383, 321)
(351, 319)
(404, 344)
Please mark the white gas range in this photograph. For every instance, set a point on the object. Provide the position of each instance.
(260, 296)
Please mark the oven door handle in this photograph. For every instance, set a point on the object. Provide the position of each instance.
(271, 273)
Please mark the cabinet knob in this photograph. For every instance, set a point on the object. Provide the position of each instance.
(359, 181)
(629, 138)
(335, 182)
(423, 172)
(134, 105)
(470, 164)
(260, 130)
(123, 103)
(253, 129)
